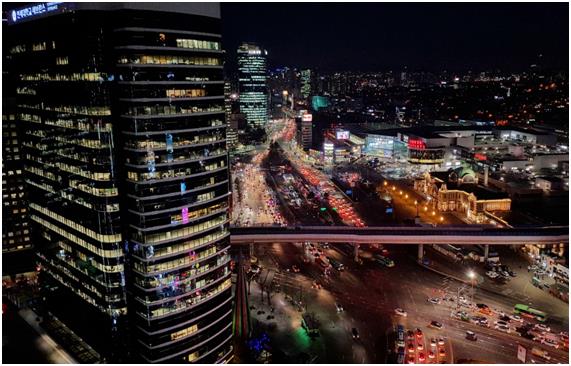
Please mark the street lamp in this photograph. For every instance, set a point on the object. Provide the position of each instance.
(472, 276)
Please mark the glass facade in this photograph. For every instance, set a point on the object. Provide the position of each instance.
(63, 107)
(252, 77)
(175, 162)
(127, 168)
(15, 223)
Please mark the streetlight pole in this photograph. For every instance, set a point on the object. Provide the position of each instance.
(472, 276)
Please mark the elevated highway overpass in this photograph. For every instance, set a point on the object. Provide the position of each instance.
(406, 235)
(461, 235)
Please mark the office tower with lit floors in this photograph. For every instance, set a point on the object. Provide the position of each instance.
(253, 88)
(125, 158)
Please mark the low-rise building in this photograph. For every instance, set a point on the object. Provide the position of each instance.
(458, 191)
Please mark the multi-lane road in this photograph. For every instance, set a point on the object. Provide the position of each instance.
(370, 293)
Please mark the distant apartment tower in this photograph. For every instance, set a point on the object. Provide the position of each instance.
(252, 78)
(306, 83)
(125, 154)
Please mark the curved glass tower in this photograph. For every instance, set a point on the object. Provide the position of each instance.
(171, 107)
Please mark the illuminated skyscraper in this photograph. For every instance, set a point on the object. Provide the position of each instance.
(125, 150)
(305, 83)
(252, 77)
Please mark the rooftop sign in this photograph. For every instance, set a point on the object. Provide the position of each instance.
(32, 11)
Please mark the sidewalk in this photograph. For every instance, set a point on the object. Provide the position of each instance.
(55, 352)
(285, 328)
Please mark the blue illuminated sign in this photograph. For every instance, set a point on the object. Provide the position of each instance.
(31, 11)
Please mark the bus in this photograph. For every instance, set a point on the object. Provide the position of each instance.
(528, 312)
(400, 336)
(382, 260)
(400, 356)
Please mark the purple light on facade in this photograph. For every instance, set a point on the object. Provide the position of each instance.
(184, 215)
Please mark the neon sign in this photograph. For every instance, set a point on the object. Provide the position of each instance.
(416, 144)
(31, 11)
(481, 157)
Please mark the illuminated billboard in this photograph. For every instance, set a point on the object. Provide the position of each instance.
(342, 135)
(307, 117)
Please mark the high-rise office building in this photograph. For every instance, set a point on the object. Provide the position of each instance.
(252, 78)
(125, 155)
(305, 83)
(15, 224)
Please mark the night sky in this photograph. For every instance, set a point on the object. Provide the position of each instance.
(378, 37)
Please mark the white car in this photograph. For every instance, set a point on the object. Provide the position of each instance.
(542, 327)
(550, 342)
(339, 308)
(502, 328)
(401, 312)
(516, 318)
(491, 274)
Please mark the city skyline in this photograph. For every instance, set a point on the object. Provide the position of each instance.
(285, 183)
(391, 36)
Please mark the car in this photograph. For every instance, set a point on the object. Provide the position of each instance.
(411, 360)
(484, 323)
(434, 300)
(501, 322)
(339, 307)
(516, 318)
(505, 318)
(542, 327)
(440, 341)
(401, 312)
(255, 269)
(550, 342)
(411, 348)
(421, 357)
(471, 336)
(420, 347)
(418, 333)
(355, 333)
(410, 335)
(431, 355)
(295, 268)
(502, 328)
(491, 274)
(512, 273)
(436, 325)
(442, 352)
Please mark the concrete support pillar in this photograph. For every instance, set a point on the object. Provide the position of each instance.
(486, 173)
(251, 247)
(356, 252)
(420, 252)
(486, 251)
